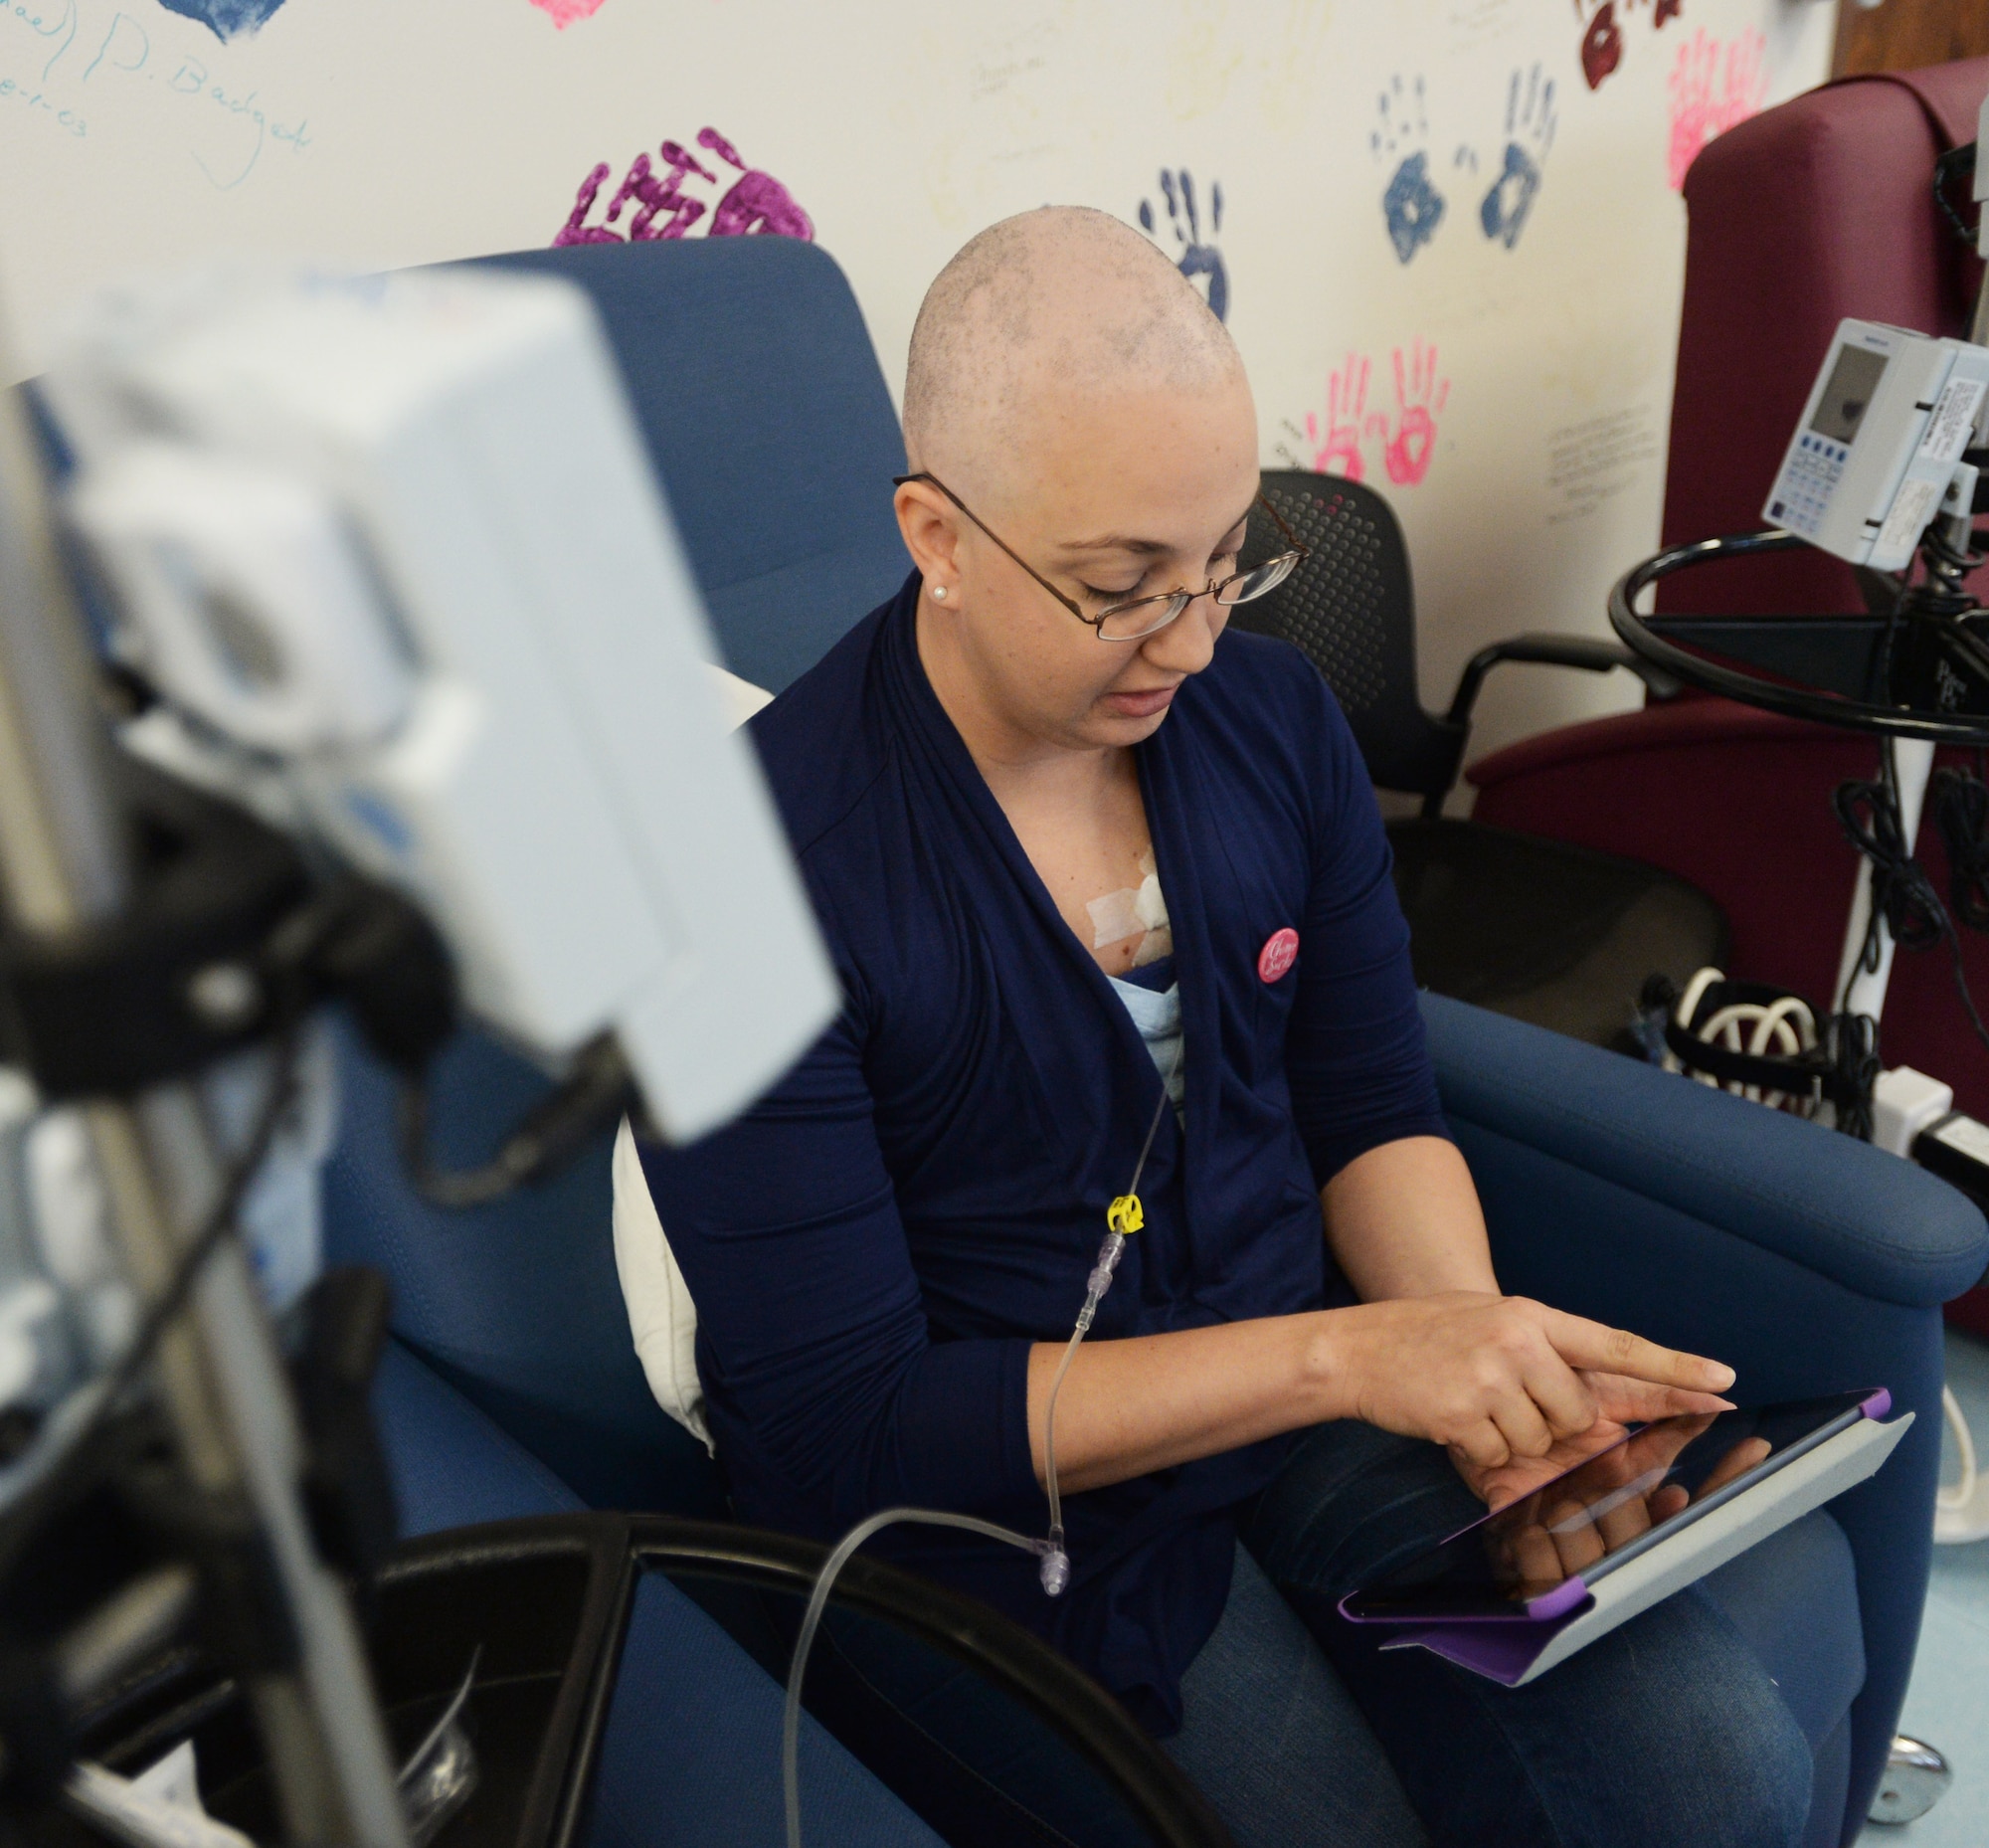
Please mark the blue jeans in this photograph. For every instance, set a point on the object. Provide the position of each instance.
(1666, 1730)
(1303, 1734)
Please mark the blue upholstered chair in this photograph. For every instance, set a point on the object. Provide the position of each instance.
(1811, 1262)
(511, 1386)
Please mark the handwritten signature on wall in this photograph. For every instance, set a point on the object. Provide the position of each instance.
(1342, 438)
(1714, 85)
(84, 59)
(754, 204)
(1413, 203)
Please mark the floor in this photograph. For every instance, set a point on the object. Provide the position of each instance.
(1948, 1704)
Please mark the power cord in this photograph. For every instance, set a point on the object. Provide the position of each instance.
(1957, 163)
(595, 1093)
(1765, 1045)
(1960, 803)
(1903, 896)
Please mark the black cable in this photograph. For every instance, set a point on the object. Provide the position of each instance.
(1903, 896)
(1955, 162)
(1853, 1043)
(1960, 803)
(159, 1314)
(597, 1089)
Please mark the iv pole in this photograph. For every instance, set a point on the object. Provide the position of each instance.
(63, 866)
(1861, 991)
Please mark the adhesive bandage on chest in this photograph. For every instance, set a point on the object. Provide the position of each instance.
(1133, 911)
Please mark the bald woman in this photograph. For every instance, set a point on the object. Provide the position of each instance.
(1095, 872)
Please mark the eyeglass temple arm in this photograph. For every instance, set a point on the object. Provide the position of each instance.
(933, 480)
(1291, 539)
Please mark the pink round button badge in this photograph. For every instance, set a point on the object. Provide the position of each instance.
(1280, 952)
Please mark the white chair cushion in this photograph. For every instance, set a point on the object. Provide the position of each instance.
(662, 1316)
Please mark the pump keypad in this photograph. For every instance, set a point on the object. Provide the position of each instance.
(1813, 471)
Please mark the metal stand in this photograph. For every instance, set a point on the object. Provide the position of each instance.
(63, 866)
(1849, 671)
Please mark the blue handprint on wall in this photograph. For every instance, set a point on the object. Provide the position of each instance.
(1529, 131)
(1411, 206)
(1196, 258)
(226, 19)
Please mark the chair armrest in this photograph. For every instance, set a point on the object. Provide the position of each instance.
(1583, 652)
(1868, 1220)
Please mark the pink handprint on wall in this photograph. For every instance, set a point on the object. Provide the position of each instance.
(757, 204)
(1419, 395)
(1337, 452)
(1405, 441)
(1714, 85)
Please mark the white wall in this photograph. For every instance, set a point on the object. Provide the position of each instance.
(392, 131)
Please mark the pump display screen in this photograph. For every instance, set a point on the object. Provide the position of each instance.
(1603, 1513)
(1848, 395)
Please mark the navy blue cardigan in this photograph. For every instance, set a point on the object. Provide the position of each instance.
(873, 1248)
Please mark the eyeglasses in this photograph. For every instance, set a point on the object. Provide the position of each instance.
(1140, 616)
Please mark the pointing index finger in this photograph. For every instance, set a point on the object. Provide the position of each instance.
(1585, 1344)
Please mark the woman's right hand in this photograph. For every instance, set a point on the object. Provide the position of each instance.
(1497, 1378)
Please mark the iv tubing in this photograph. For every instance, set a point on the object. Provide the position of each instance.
(1099, 1282)
(1049, 1551)
(790, 1718)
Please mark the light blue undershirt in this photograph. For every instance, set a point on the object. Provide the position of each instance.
(1159, 1018)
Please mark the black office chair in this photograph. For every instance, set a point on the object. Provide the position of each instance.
(1558, 935)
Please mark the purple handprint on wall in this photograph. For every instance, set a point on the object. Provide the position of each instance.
(657, 196)
(576, 230)
(756, 205)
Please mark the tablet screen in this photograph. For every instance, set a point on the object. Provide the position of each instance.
(1603, 1512)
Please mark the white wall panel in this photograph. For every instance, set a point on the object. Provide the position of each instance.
(1502, 370)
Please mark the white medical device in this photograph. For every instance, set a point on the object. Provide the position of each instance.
(1880, 444)
(393, 549)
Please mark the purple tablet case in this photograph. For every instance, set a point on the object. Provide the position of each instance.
(1517, 1649)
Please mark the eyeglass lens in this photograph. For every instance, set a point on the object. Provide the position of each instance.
(1130, 621)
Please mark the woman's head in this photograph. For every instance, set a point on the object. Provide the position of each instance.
(1072, 388)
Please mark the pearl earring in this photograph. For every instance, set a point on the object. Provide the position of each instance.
(938, 592)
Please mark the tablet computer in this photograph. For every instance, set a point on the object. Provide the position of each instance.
(1541, 1556)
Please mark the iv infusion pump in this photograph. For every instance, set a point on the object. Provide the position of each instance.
(1877, 451)
(391, 551)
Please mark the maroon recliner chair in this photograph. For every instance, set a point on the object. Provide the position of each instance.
(1810, 212)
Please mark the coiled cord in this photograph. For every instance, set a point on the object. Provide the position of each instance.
(1903, 896)
(1765, 1045)
(1960, 805)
